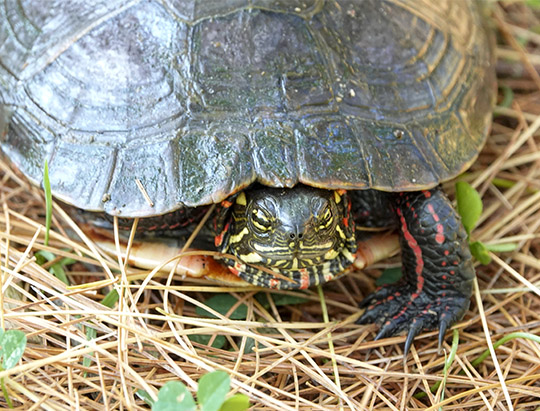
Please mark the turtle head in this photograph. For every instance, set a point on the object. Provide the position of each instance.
(292, 231)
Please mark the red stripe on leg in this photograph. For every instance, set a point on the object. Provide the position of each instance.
(413, 245)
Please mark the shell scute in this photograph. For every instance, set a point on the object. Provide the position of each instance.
(197, 100)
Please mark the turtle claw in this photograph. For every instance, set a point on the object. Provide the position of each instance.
(415, 329)
(385, 331)
(368, 317)
(438, 273)
(399, 309)
(443, 326)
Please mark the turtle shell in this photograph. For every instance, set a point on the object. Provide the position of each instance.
(191, 101)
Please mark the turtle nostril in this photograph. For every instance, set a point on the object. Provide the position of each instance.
(296, 236)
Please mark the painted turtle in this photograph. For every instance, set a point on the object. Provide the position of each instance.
(305, 120)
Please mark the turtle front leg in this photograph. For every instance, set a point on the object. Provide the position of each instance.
(437, 270)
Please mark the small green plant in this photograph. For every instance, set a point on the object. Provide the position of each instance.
(108, 301)
(12, 346)
(58, 268)
(533, 4)
(48, 201)
(213, 388)
(448, 361)
(469, 207)
(478, 360)
(42, 257)
(504, 340)
(223, 304)
(389, 276)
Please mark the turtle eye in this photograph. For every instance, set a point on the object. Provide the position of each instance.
(326, 218)
(261, 219)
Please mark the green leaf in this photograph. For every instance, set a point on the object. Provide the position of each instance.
(43, 256)
(389, 276)
(283, 299)
(505, 183)
(502, 248)
(222, 303)
(533, 4)
(238, 402)
(143, 395)
(91, 333)
(174, 396)
(480, 252)
(67, 261)
(48, 202)
(279, 299)
(469, 205)
(110, 299)
(12, 345)
(504, 340)
(6, 393)
(508, 96)
(250, 344)
(58, 271)
(213, 387)
(204, 339)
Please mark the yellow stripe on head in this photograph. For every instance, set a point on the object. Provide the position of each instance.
(347, 254)
(337, 197)
(251, 258)
(235, 239)
(331, 254)
(341, 233)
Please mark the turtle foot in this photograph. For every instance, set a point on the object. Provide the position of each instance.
(398, 309)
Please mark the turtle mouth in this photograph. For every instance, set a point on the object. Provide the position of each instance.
(295, 263)
(294, 256)
(291, 273)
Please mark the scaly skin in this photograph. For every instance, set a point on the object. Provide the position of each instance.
(437, 270)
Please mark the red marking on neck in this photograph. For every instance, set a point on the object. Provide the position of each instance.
(218, 239)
